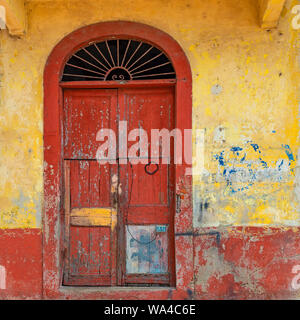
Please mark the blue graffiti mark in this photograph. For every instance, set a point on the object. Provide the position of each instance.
(241, 189)
(246, 171)
(236, 150)
(220, 158)
(264, 163)
(288, 152)
(255, 147)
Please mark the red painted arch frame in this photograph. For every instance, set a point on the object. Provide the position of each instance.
(52, 219)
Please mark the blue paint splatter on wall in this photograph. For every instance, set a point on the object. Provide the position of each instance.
(255, 147)
(242, 173)
(220, 158)
(288, 152)
(236, 150)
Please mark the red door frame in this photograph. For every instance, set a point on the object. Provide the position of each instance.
(53, 253)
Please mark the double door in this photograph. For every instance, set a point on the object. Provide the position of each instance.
(118, 215)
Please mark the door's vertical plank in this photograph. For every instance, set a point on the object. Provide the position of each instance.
(113, 185)
(84, 184)
(99, 184)
(74, 184)
(123, 170)
(105, 185)
(102, 244)
(67, 208)
(114, 247)
(79, 250)
(94, 187)
(110, 182)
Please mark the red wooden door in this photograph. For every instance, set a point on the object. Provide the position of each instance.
(147, 203)
(118, 217)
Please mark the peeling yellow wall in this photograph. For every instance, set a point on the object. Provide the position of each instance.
(244, 96)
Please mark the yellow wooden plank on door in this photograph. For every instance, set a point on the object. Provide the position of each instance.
(94, 217)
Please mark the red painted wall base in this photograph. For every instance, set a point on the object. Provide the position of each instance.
(234, 263)
(21, 256)
(246, 263)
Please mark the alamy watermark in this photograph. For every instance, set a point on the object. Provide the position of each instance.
(154, 149)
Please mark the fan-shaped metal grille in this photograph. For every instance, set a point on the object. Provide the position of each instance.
(118, 60)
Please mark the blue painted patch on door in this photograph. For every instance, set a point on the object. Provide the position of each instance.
(160, 228)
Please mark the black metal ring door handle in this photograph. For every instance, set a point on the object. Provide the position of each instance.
(147, 167)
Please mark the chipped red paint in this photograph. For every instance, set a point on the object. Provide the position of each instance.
(244, 263)
(21, 256)
(53, 251)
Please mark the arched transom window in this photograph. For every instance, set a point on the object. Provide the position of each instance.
(118, 59)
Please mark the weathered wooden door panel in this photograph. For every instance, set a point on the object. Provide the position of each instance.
(86, 111)
(147, 202)
(90, 253)
(90, 184)
(157, 196)
(150, 258)
(90, 206)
